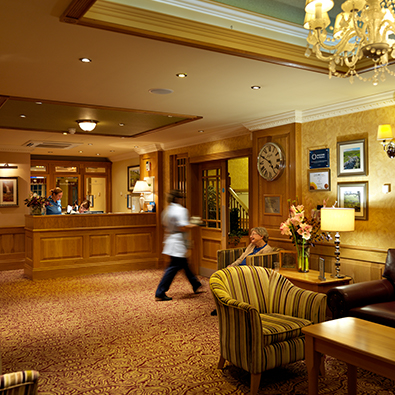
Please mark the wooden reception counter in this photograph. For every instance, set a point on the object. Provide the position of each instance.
(68, 245)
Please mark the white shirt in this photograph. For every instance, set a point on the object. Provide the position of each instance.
(174, 218)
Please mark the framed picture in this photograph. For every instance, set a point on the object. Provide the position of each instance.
(8, 191)
(352, 158)
(272, 204)
(319, 180)
(354, 195)
(319, 158)
(133, 176)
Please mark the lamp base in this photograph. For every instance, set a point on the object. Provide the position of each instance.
(142, 201)
(337, 275)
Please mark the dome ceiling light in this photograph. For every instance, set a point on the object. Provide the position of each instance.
(87, 125)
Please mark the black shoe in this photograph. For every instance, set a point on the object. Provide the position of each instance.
(214, 312)
(163, 297)
(196, 287)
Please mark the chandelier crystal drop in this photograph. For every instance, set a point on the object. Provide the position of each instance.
(365, 29)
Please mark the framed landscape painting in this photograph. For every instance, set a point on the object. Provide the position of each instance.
(133, 176)
(8, 191)
(352, 158)
(354, 195)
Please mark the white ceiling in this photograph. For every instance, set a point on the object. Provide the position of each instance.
(39, 58)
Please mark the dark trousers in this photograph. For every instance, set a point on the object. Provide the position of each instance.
(176, 264)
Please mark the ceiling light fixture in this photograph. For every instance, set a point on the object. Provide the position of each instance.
(255, 87)
(362, 30)
(87, 125)
(181, 75)
(85, 60)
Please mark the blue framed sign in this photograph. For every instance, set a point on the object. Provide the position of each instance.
(319, 158)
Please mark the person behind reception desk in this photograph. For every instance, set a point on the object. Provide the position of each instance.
(55, 205)
(84, 207)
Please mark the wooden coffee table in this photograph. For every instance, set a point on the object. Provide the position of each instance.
(352, 340)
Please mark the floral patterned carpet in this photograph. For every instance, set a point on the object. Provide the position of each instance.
(106, 334)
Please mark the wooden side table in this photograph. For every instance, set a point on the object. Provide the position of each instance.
(311, 281)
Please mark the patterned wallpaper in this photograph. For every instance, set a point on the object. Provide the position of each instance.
(377, 231)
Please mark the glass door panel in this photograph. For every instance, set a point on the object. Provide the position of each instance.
(69, 186)
(96, 193)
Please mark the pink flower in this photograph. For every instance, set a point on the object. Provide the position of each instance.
(285, 228)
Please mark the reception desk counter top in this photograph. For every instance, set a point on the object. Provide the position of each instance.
(68, 245)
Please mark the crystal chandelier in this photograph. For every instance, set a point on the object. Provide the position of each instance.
(362, 30)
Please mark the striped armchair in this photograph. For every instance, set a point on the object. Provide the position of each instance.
(261, 315)
(226, 257)
(19, 383)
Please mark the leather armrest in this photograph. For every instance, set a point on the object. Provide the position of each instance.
(345, 297)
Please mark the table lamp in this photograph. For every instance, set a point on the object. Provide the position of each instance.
(337, 220)
(141, 187)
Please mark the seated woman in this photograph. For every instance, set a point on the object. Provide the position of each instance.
(258, 246)
(55, 205)
(84, 206)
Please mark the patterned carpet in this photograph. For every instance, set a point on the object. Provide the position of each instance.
(106, 334)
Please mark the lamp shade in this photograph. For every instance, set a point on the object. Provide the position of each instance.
(384, 132)
(337, 219)
(324, 5)
(141, 187)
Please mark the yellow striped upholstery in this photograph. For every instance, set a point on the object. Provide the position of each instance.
(226, 257)
(261, 314)
(19, 383)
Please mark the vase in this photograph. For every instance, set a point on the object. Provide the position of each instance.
(303, 255)
(37, 210)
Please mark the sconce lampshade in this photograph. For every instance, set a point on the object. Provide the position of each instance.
(384, 132)
(87, 125)
(325, 5)
(337, 219)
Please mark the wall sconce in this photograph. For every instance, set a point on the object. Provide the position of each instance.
(87, 125)
(7, 166)
(385, 133)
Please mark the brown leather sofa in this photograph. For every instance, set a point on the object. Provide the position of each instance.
(371, 300)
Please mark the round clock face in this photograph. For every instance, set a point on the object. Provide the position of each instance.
(271, 161)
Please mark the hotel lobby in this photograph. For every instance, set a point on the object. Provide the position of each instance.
(186, 95)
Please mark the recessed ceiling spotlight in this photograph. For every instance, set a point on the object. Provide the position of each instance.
(201, 131)
(23, 116)
(80, 152)
(111, 150)
(255, 87)
(85, 60)
(97, 154)
(39, 103)
(121, 124)
(181, 75)
(136, 146)
(65, 133)
(160, 91)
(50, 152)
(90, 144)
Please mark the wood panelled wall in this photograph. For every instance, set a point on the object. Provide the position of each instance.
(12, 247)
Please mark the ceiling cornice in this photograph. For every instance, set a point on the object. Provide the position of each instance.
(372, 102)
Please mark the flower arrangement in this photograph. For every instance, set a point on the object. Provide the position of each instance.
(36, 203)
(303, 231)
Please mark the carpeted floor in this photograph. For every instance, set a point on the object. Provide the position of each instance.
(106, 334)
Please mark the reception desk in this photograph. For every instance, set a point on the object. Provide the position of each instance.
(69, 245)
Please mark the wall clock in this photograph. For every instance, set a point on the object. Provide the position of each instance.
(271, 161)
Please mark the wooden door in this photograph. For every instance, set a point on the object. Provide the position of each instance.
(213, 192)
